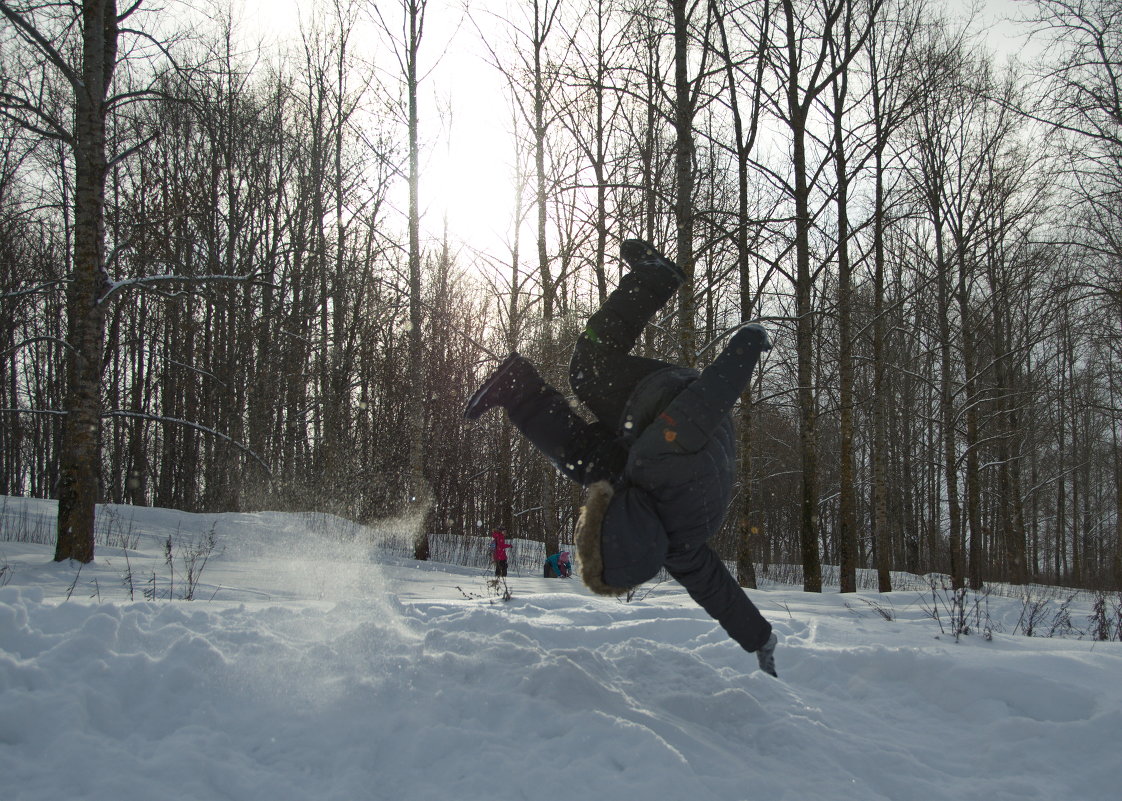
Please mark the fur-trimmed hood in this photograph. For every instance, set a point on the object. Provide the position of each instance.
(587, 538)
(620, 540)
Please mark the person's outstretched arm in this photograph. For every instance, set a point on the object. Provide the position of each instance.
(693, 416)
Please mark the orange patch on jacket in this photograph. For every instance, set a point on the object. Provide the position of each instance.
(668, 434)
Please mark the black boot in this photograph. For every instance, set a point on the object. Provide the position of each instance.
(644, 290)
(507, 385)
(642, 255)
(751, 335)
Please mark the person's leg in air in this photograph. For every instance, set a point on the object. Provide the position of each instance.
(603, 371)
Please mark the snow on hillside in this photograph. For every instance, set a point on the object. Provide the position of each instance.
(313, 666)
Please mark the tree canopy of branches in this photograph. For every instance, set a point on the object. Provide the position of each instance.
(220, 289)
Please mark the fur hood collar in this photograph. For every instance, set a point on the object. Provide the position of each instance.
(588, 545)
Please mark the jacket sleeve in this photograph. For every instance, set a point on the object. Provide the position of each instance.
(689, 420)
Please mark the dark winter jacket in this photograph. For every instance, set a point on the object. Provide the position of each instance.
(676, 487)
(674, 493)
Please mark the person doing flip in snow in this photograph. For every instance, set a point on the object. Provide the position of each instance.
(659, 463)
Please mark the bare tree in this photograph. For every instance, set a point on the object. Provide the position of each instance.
(80, 45)
(895, 84)
(840, 111)
(533, 72)
(687, 94)
(590, 115)
(744, 84)
(804, 71)
(944, 133)
(407, 47)
(1080, 94)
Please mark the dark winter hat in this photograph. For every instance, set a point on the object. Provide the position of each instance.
(620, 540)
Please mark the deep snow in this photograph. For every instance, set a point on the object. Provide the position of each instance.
(313, 666)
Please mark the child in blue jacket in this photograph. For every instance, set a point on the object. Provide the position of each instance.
(557, 566)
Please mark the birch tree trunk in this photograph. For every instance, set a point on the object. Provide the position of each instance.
(78, 487)
(420, 490)
(79, 471)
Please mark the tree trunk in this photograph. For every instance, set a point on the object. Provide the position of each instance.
(973, 481)
(80, 466)
(804, 320)
(420, 499)
(542, 24)
(847, 524)
(684, 181)
(1116, 561)
(747, 521)
(882, 541)
(885, 89)
(947, 414)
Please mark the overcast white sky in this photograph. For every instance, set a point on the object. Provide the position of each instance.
(472, 175)
(468, 170)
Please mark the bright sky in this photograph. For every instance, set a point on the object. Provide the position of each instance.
(1007, 38)
(467, 170)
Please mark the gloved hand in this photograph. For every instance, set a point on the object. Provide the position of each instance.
(751, 335)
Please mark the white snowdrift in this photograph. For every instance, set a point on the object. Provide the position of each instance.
(311, 668)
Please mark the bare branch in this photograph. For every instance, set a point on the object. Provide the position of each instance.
(187, 423)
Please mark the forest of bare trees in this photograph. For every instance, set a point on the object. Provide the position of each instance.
(217, 293)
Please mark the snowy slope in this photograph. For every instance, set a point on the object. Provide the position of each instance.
(313, 668)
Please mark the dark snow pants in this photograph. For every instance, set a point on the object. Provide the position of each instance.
(603, 373)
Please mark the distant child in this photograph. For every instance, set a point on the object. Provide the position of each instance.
(558, 566)
(499, 547)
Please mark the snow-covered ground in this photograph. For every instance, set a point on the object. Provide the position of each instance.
(310, 667)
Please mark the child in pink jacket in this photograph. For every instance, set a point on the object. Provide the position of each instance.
(499, 547)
